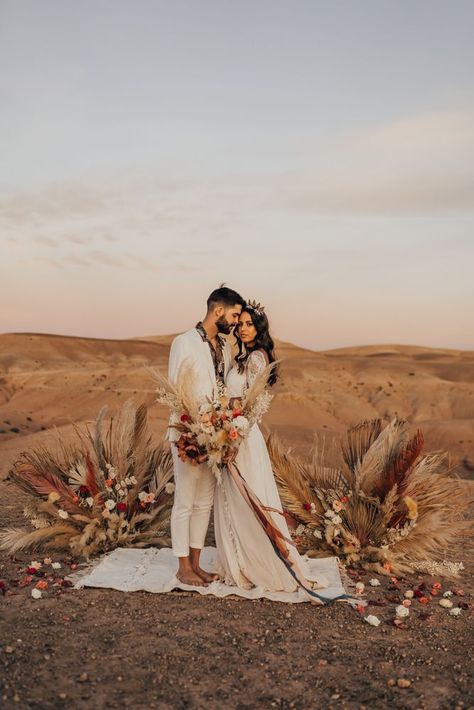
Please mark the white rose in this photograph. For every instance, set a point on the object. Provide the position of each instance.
(56, 565)
(110, 504)
(374, 582)
(360, 586)
(300, 529)
(241, 423)
(372, 620)
(142, 496)
(445, 603)
(90, 501)
(169, 488)
(336, 519)
(456, 611)
(402, 611)
(317, 533)
(448, 594)
(409, 594)
(133, 479)
(36, 593)
(63, 514)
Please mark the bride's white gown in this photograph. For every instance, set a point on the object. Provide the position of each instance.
(244, 557)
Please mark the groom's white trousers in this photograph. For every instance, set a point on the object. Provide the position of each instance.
(193, 499)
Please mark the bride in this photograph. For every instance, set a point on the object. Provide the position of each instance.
(246, 556)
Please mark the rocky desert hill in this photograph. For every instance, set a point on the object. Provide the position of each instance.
(49, 381)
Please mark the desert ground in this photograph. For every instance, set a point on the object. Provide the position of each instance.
(102, 648)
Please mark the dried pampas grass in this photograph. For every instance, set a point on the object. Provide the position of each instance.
(380, 504)
(102, 491)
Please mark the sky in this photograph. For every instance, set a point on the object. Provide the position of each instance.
(317, 156)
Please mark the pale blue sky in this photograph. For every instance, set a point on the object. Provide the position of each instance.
(318, 156)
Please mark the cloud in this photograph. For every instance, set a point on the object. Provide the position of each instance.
(388, 194)
(47, 241)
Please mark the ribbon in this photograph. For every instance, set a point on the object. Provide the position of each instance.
(278, 541)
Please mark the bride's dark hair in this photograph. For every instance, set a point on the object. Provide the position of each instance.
(263, 341)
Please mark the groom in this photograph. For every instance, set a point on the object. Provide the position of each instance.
(210, 356)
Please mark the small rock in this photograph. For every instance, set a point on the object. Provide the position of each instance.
(83, 677)
(391, 682)
(403, 682)
(9, 649)
(62, 696)
(322, 662)
(335, 696)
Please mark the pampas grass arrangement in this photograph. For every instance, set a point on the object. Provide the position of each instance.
(376, 501)
(104, 491)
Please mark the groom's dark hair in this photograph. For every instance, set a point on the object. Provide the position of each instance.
(224, 296)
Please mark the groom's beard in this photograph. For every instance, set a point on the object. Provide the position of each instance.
(223, 326)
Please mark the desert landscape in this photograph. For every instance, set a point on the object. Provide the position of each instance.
(102, 648)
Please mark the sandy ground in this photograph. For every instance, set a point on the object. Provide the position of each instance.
(101, 648)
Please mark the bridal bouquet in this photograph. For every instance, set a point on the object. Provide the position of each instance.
(211, 429)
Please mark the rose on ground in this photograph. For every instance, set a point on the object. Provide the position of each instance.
(372, 620)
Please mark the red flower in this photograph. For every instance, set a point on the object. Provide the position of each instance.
(83, 489)
(236, 413)
(185, 418)
(31, 570)
(344, 499)
(121, 507)
(307, 506)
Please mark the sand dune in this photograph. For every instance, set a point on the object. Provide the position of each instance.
(52, 380)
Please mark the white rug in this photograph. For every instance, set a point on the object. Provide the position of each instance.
(154, 570)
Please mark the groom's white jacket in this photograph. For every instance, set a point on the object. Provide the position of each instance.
(189, 347)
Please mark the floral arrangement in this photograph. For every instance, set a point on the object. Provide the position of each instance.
(211, 430)
(98, 493)
(375, 501)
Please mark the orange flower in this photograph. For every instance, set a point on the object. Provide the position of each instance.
(387, 566)
(423, 600)
(344, 499)
(42, 584)
(109, 482)
(233, 434)
(437, 585)
(75, 499)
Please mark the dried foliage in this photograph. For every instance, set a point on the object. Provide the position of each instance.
(381, 504)
(103, 491)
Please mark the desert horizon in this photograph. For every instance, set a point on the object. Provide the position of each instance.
(50, 381)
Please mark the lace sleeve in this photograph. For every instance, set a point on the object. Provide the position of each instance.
(255, 364)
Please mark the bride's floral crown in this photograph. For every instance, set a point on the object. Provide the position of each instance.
(257, 307)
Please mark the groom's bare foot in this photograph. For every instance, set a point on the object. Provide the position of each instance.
(190, 577)
(206, 576)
